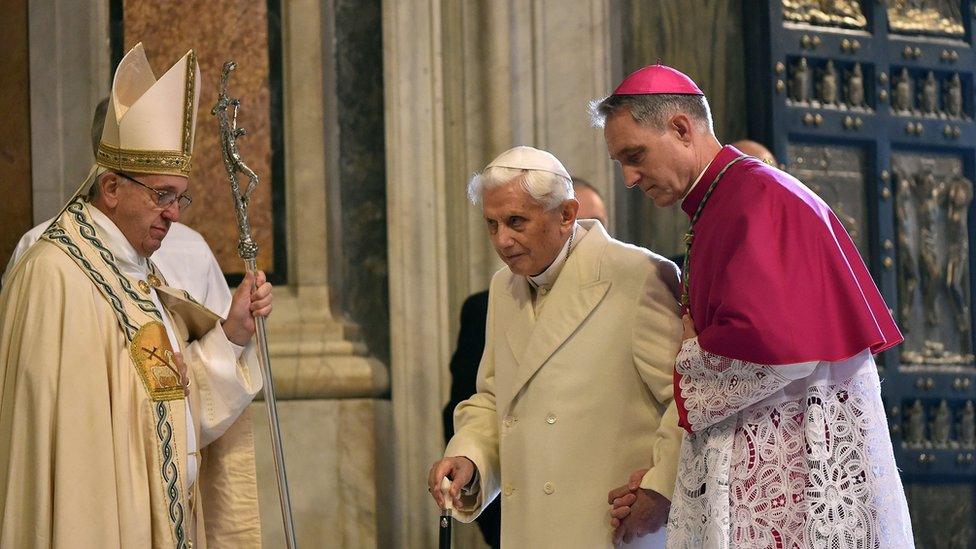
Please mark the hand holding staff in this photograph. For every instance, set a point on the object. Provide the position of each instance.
(248, 250)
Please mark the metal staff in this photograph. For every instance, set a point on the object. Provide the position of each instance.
(247, 248)
(446, 514)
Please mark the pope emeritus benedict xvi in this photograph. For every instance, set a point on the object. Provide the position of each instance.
(574, 387)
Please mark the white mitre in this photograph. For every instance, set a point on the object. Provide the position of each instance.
(150, 123)
(529, 158)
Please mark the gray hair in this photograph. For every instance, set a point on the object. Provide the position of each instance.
(98, 123)
(96, 184)
(546, 188)
(653, 110)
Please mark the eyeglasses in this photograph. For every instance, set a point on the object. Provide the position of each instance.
(164, 199)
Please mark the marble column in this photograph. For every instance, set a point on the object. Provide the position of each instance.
(417, 226)
(465, 81)
(315, 353)
(334, 423)
(70, 72)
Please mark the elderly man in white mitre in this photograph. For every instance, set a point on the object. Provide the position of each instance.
(123, 416)
(574, 387)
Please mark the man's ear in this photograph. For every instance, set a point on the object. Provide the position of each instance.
(109, 187)
(682, 126)
(569, 210)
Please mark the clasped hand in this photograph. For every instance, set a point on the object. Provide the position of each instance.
(688, 326)
(636, 511)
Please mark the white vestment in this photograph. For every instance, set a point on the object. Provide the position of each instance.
(187, 263)
(184, 258)
(785, 456)
(214, 351)
(96, 434)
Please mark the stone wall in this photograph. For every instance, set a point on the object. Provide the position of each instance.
(15, 144)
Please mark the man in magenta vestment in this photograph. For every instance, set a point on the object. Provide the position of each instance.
(787, 444)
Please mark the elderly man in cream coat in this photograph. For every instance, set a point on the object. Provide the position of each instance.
(574, 388)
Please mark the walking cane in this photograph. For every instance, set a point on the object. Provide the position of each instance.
(248, 250)
(446, 512)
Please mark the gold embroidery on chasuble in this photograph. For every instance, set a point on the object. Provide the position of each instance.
(153, 358)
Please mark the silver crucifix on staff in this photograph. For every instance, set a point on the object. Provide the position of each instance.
(247, 248)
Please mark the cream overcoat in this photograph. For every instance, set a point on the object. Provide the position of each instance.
(569, 404)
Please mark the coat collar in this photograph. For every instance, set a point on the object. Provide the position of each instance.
(573, 297)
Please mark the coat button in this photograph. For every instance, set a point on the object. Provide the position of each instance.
(543, 291)
(508, 490)
(510, 421)
(551, 418)
(549, 488)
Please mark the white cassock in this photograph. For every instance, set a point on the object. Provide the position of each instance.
(184, 258)
(793, 455)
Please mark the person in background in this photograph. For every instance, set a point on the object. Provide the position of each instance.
(758, 150)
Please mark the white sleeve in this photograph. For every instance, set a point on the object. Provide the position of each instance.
(476, 434)
(713, 387)
(218, 296)
(227, 376)
(25, 242)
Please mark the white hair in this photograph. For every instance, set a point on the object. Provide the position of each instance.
(546, 188)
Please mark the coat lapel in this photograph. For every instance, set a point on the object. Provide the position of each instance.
(520, 330)
(577, 291)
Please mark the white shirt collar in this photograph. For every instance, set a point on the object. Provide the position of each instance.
(547, 278)
(697, 179)
(125, 254)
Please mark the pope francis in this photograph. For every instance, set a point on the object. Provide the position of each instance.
(121, 419)
(574, 387)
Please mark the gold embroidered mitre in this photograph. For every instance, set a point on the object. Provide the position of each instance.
(150, 124)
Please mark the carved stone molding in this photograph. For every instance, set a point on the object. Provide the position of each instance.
(315, 353)
(316, 356)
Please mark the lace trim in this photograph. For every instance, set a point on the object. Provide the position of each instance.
(714, 387)
(817, 471)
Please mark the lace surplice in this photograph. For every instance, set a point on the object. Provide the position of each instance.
(796, 456)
